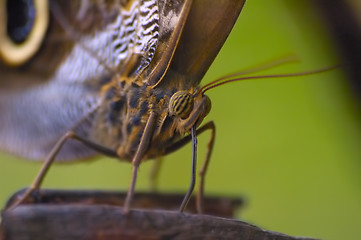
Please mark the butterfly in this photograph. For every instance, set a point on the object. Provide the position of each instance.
(120, 78)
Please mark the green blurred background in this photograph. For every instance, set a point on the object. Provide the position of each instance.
(290, 146)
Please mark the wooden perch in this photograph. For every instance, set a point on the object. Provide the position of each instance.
(92, 218)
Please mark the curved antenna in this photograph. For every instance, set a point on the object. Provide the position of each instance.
(258, 68)
(221, 82)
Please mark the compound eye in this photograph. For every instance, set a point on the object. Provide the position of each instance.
(23, 24)
(181, 104)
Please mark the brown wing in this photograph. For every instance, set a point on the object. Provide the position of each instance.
(207, 28)
(172, 19)
(87, 43)
(55, 89)
(59, 87)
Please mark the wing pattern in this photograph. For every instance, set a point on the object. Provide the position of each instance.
(92, 46)
(59, 88)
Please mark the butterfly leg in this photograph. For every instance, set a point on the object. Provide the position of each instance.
(154, 173)
(179, 144)
(204, 168)
(142, 149)
(50, 159)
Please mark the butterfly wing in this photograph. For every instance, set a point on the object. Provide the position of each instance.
(59, 87)
(86, 45)
(207, 28)
(172, 18)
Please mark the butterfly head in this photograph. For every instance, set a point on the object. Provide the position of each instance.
(190, 108)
